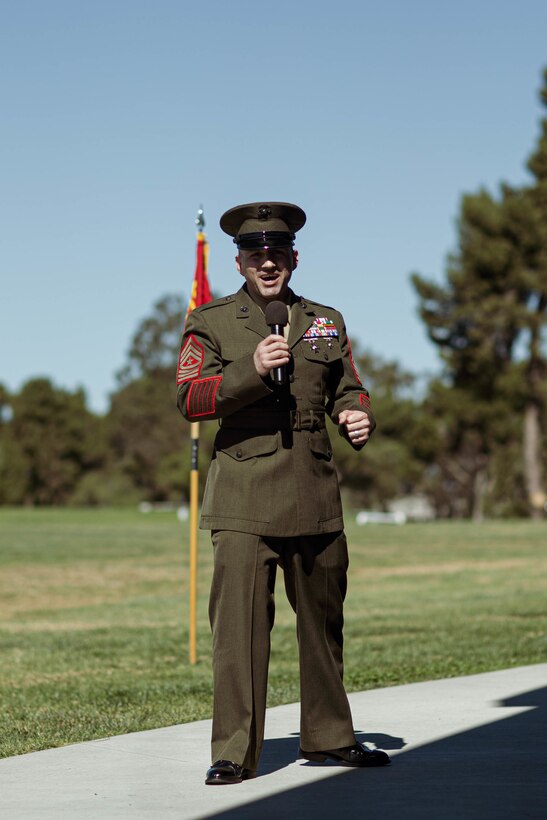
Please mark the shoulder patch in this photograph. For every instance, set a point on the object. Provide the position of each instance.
(190, 360)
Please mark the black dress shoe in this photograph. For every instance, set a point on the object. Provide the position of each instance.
(356, 755)
(224, 772)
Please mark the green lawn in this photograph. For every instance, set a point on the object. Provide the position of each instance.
(94, 615)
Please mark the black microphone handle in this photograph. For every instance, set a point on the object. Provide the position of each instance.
(279, 374)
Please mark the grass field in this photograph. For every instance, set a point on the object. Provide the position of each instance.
(94, 612)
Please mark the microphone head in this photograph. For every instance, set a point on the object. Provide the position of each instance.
(276, 313)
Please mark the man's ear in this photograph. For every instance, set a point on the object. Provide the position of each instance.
(294, 259)
(238, 264)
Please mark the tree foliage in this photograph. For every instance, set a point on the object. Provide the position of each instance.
(488, 319)
(49, 441)
(154, 347)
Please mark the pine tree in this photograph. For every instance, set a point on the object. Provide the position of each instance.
(472, 319)
(489, 320)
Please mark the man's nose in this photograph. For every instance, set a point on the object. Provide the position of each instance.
(268, 263)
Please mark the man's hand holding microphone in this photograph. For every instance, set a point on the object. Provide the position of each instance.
(273, 354)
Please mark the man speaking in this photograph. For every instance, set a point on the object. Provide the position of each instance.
(272, 496)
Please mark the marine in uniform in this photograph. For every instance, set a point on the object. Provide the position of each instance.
(272, 497)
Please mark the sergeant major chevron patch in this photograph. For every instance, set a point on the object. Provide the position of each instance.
(190, 360)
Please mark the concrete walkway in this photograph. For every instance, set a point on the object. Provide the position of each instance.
(471, 747)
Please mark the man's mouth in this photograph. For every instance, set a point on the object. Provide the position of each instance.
(269, 277)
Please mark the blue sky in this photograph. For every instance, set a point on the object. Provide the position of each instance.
(120, 118)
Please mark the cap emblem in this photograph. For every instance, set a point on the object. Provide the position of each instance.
(264, 212)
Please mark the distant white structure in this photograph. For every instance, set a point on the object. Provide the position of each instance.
(165, 507)
(182, 513)
(414, 507)
(401, 510)
(372, 517)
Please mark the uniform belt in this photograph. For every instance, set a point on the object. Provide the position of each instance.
(278, 420)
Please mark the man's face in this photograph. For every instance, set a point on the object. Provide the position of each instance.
(267, 272)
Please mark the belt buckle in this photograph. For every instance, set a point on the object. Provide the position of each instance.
(296, 420)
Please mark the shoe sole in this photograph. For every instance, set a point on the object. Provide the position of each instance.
(224, 781)
(319, 757)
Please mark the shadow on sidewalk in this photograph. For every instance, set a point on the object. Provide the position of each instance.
(493, 772)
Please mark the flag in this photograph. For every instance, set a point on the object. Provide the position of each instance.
(201, 292)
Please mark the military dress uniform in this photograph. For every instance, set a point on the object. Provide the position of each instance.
(272, 499)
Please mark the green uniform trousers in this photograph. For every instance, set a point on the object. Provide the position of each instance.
(241, 612)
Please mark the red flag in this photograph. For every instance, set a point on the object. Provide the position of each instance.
(201, 292)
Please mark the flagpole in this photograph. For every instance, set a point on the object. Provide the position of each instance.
(194, 498)
(200, 294)
(194, 505)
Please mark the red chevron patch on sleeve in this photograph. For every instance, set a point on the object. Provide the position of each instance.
(190, 360)
(364, 400)
(202, 396)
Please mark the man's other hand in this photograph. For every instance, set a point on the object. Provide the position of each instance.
(357, 425)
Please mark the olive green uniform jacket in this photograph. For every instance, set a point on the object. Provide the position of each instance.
(272, 470)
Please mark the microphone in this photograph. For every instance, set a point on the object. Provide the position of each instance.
(277, 316)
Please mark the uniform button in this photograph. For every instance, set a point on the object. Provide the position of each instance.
(291, 377)
(303, 305)
(238, 454)
(244, 308)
